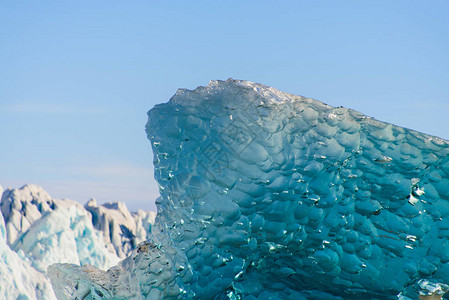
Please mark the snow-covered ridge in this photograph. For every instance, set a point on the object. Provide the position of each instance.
(38, 231)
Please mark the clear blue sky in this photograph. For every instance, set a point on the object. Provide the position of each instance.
(77, 77)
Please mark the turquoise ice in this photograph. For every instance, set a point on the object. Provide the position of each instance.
(268, 195)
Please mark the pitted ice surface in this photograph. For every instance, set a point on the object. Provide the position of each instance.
(267, 194)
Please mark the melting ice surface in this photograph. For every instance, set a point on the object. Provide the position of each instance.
(268, 195)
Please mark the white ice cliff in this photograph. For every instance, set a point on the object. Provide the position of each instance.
(268, 195)
(122, 230)
(18, 279)
(43, 231)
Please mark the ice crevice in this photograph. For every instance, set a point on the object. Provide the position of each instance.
(268, 195)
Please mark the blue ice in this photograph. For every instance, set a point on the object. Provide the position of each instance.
(268, 195)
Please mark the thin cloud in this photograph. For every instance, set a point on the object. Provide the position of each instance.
(51, 108)
(113, 170)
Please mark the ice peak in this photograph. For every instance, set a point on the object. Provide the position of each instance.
(92, 202)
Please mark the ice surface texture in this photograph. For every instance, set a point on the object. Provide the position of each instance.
(267, 194)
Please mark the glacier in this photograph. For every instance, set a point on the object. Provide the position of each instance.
(38, 231)
(269, 195)
(18, 279)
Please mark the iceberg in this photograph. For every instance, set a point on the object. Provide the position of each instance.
(268, 195)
